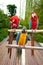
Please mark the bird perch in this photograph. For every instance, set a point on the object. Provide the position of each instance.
(19, 30)
(26, 47)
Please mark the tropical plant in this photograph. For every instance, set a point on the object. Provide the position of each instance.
(12, 9)
(4, 19)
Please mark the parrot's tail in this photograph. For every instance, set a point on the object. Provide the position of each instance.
(19, 52)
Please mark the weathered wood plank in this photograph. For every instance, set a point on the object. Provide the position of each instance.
(37, 59)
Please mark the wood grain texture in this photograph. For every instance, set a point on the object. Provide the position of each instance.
(37, 59)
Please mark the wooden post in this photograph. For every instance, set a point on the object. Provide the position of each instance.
(10, 42)
(32, 44)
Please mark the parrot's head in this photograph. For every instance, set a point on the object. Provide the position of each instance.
(24, 29)
(34, 15)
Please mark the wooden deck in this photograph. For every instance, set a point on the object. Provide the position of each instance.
(37, 59)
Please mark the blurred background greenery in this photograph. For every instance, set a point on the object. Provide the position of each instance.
(31, 5)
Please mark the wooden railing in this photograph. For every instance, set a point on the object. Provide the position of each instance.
(32, 47)
(32, 40)
(19, 30)
(24, 47)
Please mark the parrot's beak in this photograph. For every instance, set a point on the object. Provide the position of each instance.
(33, 15)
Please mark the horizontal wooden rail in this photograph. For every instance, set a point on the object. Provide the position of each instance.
(19, 30)
(24, 47)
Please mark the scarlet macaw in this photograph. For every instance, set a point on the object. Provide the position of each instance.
(14, 21)
(33, 24)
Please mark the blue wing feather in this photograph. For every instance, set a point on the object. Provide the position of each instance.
(17, 38)
(30, 24)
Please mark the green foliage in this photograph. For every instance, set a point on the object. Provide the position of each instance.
(3, 33)
(28, 8)
(4, 20)
(1, 11)
(24, 23)
(1, 25)
(39, 37)
(4, 24)
(12, 9)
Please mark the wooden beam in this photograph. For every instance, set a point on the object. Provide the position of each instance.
(32, 44)
(24, 47)
(19, 30)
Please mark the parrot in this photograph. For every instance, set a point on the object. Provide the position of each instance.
(14, 22)
(33, 24)
(21, 39)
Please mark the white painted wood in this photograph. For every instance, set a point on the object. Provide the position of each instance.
(26, 47)
(19, 30)
(23, 57)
